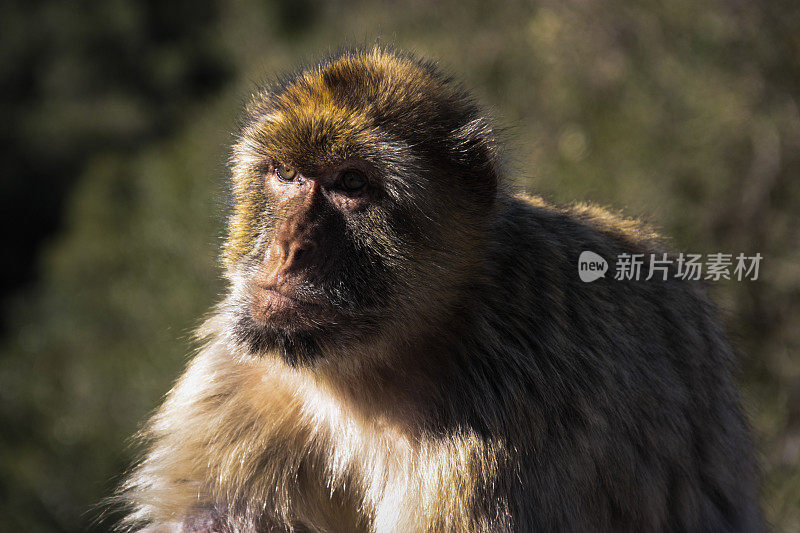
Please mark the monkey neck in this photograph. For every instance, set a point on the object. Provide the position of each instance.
(411, 383)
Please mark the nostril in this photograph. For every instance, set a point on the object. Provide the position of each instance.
(301, 253)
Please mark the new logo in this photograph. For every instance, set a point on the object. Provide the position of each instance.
(591, 266)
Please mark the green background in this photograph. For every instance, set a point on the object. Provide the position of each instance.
(116, 125)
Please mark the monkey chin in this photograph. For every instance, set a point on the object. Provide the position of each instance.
(275, 322)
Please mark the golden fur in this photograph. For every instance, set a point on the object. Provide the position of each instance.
(263, 431)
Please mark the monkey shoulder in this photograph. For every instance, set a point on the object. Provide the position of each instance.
(638, 334)
(559, 231)
(634, 375)
(536, 249)
(223, 416)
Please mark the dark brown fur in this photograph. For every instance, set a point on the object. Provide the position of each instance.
(422, 356)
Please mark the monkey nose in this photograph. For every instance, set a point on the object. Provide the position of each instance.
(297, 254)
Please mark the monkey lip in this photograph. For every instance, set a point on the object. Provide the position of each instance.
(270, 303)
(278, 296)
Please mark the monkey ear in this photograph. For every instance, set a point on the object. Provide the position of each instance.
(476, 154)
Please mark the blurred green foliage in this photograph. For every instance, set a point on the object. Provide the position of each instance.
(119, 117)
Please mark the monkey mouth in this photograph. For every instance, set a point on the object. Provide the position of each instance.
(276, 305)
(286, 320)
(299, 320)
(276, 300)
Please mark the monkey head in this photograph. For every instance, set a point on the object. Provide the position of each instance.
(362, 189)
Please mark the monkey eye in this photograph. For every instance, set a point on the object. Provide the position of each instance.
(285, 172)
(353, 180)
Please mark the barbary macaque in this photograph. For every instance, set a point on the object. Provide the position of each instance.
(406, 344)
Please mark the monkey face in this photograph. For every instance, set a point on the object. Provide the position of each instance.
(360, 188)
(314, 277)
(302, 252)
(326, 268)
